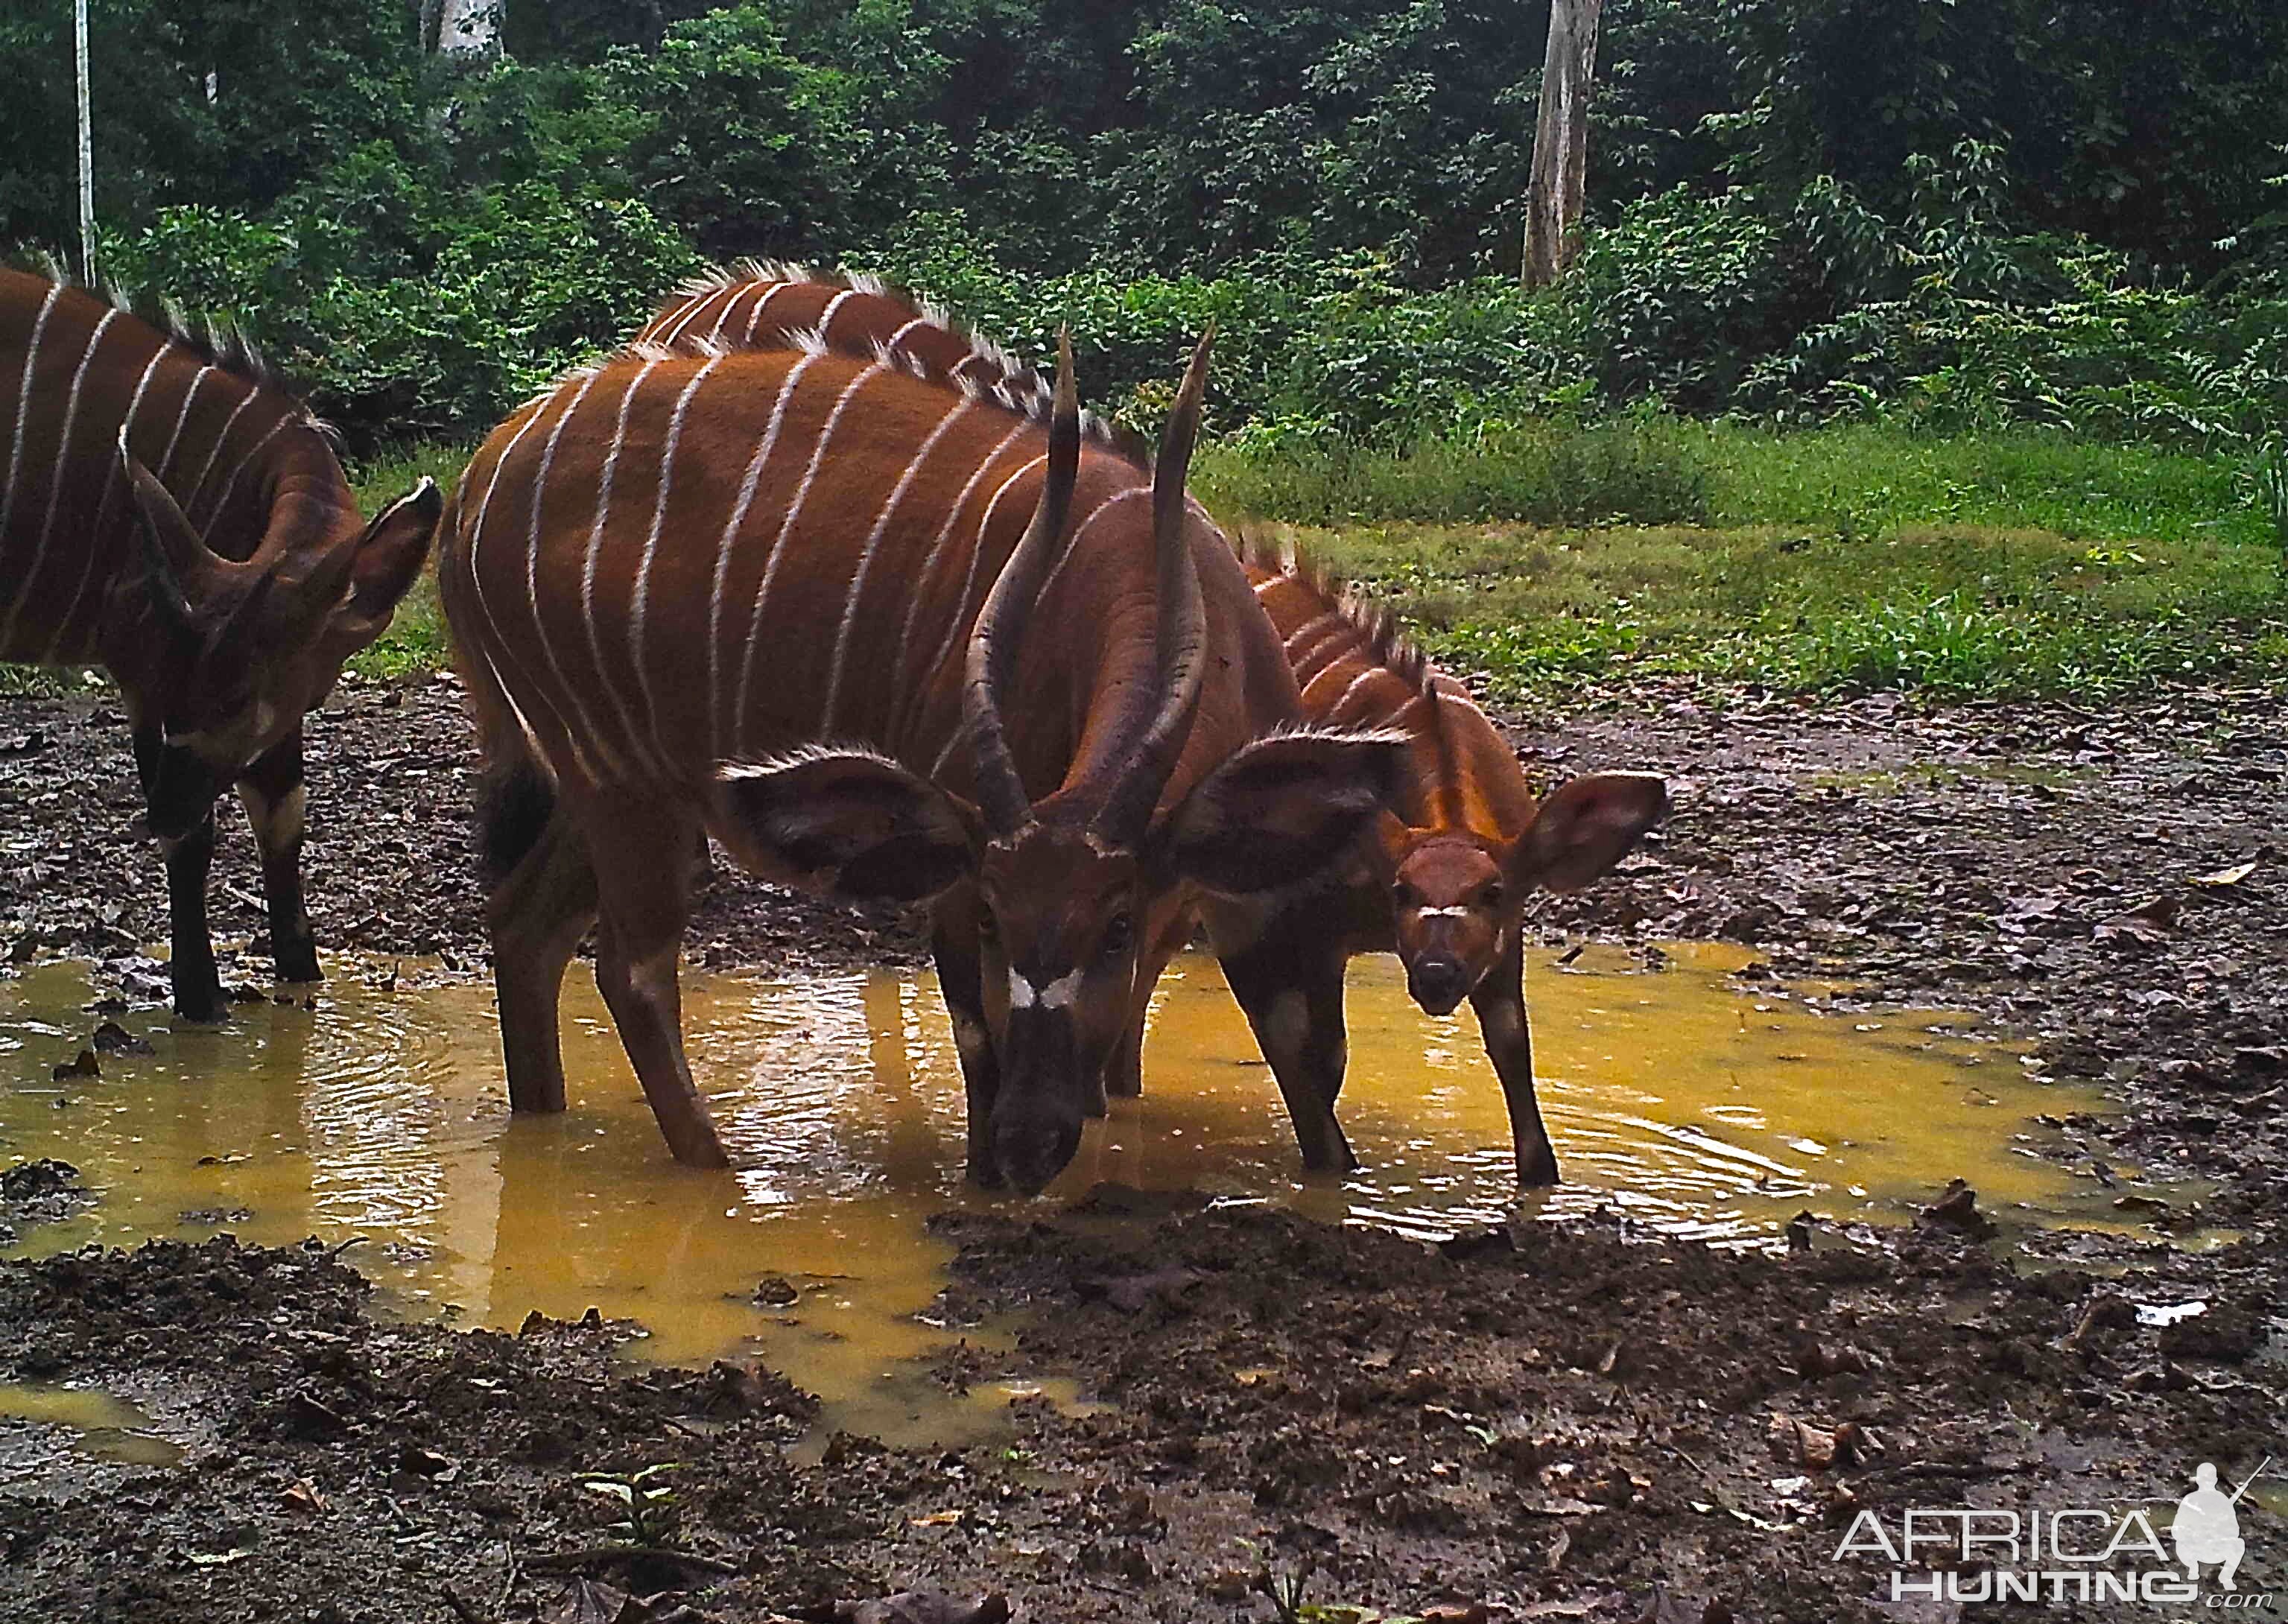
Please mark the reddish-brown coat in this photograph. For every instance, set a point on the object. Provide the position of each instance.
(171, 514)
(1465, 842)
(635, 646)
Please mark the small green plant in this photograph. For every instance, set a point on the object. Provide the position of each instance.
(649, 1515)
(2268, 481)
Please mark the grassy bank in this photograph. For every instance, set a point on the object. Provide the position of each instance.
(1859, 556)
(1850, 557)
(1846, 558)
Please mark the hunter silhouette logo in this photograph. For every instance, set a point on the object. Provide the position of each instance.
(2082, 1554)
(2207, 1528)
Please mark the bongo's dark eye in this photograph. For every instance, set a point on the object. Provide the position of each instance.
(1405, 895)
(988, 929)
(1492, 895)
(1117, 935)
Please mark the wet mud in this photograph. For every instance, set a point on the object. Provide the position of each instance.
(1203, 1408)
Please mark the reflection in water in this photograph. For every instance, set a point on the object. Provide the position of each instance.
(1674, 1097)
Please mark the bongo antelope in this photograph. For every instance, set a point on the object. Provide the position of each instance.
(173, 515)
(1464, 843)
(1444, 880)
(883, 633)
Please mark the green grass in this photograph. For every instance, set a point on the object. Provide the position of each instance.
(1836, 559)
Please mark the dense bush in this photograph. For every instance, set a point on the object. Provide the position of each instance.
(2060, 216)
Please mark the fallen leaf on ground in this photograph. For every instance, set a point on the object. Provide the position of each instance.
(2233, 875)
(303, 1495)
(591, 1601)
(2147, 923)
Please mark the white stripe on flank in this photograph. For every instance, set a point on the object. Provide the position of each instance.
(961, 616)
(730, 308)
(475, 531)
(221, 440)
(182, 416)
(691, 311)
(1317, 623)
(588, 729)
(953, 743)
(1261, 587)
(1333, 667)
(747, 484)
(24, 407)
(866, 563)
(24, 582)
(595, 548)
(1325, 650)
(899, 337)
(918, 588)
(826, 316)
(116, 478)
(786, 528)
(641, 601)
(231, 484)
(1072, 548)
(756, 314)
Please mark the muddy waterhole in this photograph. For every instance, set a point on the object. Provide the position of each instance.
(1678, 1098)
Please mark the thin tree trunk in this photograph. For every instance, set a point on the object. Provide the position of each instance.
(1560, 141)
(470, 27)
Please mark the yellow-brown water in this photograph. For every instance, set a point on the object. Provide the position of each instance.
(98, 1423)
(1674, 1097)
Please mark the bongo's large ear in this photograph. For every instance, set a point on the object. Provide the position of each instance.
(847, 823)
(1278, 812)
(1587, 826)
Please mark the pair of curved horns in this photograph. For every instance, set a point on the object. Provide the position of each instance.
(1179, 641)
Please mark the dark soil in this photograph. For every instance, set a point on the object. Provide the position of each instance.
(1558, 1421)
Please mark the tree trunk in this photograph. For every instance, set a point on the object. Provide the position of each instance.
(1560, 141)
(470, 27)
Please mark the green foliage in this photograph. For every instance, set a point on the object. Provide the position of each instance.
(649, 1517)
(2268, 481)
(1965, 218)
(1679, 297)
(417, 639)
